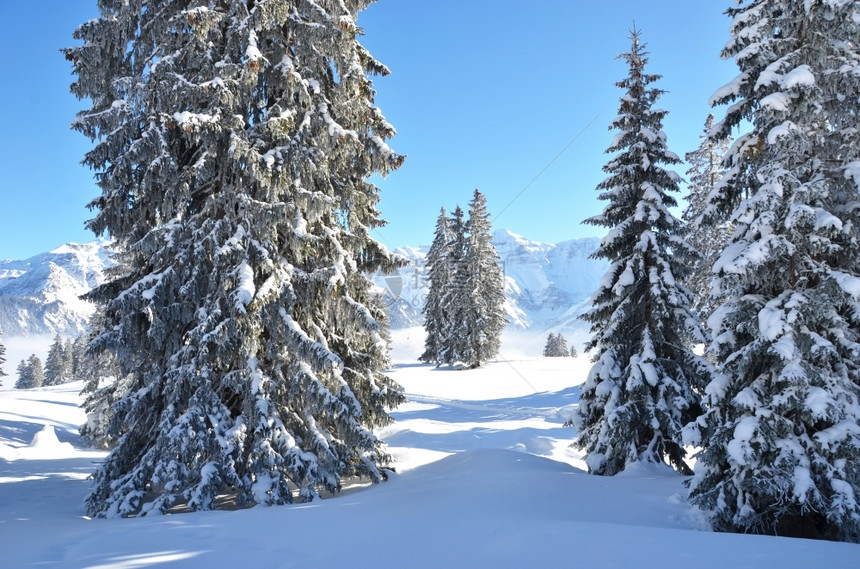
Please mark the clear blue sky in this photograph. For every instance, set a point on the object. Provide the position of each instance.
(483, 93)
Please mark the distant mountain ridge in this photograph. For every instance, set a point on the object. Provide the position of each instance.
(547, 286)
(41, 295)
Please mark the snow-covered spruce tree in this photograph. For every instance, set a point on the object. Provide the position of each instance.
(35, 372)
(76, 352)
(456, 299)
(708, 235)
(439, 275)
(556, 346)
(24, 380)
(645, 383)
(485, 286)
(781, 438)
(234, 141)
(550, 344)
(58, 363)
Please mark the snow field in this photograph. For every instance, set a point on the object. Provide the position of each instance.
(485, 478)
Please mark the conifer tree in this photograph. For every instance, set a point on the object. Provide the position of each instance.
(456, 297)
(35, 372)
(550, 344)
(643, 387)
(25, 379)
(234, 141)
(76, 352)
(556, 346)
(707, 235)
(439, 277)
(57, 363)
(485, 284)
(781, 438)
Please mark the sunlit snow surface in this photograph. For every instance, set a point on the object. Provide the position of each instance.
(485, 478)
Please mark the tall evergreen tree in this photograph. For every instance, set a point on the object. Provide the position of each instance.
(556, 346)
(58, 363)
(35, 371)
(25, 379)
(485, 284)
(643, 386)
(548, 351)
(234, 141)
(439, 277)
(76, 352)
(456, 298)
(781, 440)
(707, 235)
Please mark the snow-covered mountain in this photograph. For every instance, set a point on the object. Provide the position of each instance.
(41, 295)
(547, 284)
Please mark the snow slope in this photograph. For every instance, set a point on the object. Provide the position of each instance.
(485, 478)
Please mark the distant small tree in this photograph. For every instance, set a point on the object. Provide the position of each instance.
(475, 297)
(556, 347)
(76, 352)
(37, 372)
(24, 381)
(573, 353)
(485, 285)
(547, 348)
(30, 373)
(439, 275)
(456, 299)
(58, 363)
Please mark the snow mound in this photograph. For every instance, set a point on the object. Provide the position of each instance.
(44, 446)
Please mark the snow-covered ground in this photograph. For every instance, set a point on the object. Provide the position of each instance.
(485, 478)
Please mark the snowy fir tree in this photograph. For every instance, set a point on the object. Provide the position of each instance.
(456, 300)
(30, 373)
(485, 286)
(23, 373)
(439, 275)
(781, 438)
(234, 141)
(76, 354)
(646, 381)
(58, 363)
(556, 346)
(707, 235)
(473, 303)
